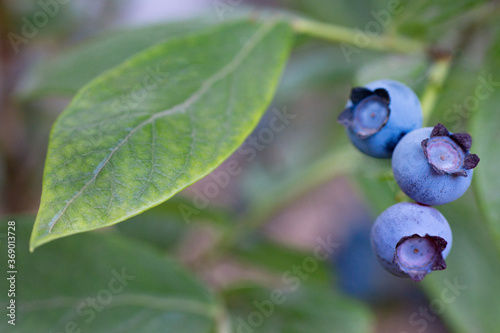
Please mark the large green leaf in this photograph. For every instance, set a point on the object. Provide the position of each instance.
(296, 308)
(145, 130)
(277, 258)
(102, 282)
(486, 137)
(72, 69)
(485, 134)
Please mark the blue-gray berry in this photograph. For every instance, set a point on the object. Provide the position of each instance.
(433, 166)
(379, 114)
(411, 240)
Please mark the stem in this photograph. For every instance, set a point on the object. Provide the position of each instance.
(357, 38)
(438, 73)
(222, 320)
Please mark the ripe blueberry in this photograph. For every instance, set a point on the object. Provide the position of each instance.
(379, 114)
(433, 166)
(411, 240)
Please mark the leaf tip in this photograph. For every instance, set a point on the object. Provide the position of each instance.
(33, 240)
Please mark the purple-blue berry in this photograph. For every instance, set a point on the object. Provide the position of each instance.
(433, 166)
(411, 240)
(379, 114)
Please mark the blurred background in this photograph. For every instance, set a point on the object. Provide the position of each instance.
(302, 169)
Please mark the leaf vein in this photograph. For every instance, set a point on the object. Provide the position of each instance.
(180, 108)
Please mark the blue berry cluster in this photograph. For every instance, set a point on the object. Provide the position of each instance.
(432, 166)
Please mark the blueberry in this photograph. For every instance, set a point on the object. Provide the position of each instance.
(379, 114)
(433, 166)
(411, 240)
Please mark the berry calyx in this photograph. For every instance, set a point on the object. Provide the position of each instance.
(368, 113)
(418, 256)
(449, 153)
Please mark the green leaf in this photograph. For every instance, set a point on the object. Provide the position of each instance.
(408, 69)
(485, 135)
(157, 226)
(347, 13)
(71, 70)
(473, 266)
(307, 309)
(165, 225)
(277, 258)
(430, 19)
(147, 129)
(102, 282)
(314, 67)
